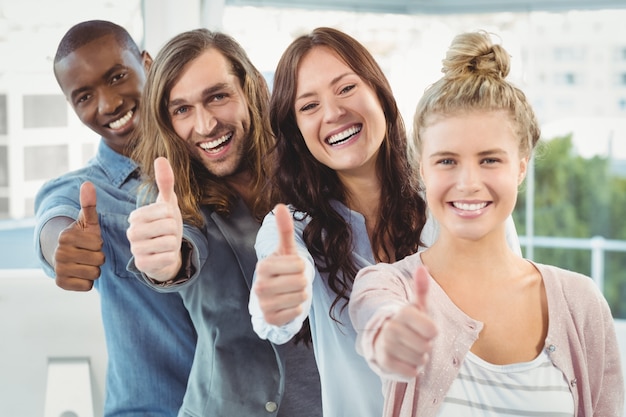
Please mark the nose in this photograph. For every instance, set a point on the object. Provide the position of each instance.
(468, 180)
(204, 123)
(109, 102)
(333, 111)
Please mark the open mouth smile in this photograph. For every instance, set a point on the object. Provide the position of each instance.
(342, 137)
(122, 121)
(216, 145)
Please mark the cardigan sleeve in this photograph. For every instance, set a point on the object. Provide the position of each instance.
(606, 378)
(379, 291)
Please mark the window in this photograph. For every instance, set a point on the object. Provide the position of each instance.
(55, 158)
(3, 114)
(569, 53)
(4, 207)
(4, 166)
(44, 111)
(566, 78)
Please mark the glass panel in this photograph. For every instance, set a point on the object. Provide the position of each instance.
(3, 114)
(45, 111)
(4, 207)
(55, 157)
(4, 166)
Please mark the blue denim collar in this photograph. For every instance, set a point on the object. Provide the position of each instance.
(117, 167)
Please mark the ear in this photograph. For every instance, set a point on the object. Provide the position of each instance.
(523, 169)
(146, 60)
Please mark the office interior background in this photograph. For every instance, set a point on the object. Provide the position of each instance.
(569, 58)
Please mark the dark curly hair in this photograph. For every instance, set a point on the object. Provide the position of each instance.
(309, 186)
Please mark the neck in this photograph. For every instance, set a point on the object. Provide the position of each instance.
(363, 196)
(484, 260)
(242, 183)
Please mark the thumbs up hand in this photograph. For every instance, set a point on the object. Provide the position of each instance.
(405, 339)
(156, 230)
(281, 284)
(78, 254)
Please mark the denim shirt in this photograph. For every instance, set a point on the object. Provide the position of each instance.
(235, 373)
(150, 337)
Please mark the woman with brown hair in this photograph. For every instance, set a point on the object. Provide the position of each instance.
(343, 167)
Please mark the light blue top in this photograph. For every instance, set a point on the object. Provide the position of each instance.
(149, 336)
(349, 386)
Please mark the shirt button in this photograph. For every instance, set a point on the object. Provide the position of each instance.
(455, 361)
(573, 383)
(551, 348)
(270, 406)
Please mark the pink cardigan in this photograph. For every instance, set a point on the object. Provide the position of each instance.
(581, 339)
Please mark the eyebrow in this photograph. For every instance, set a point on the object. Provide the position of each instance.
(332, 82)
(496, 151)
(206, 92)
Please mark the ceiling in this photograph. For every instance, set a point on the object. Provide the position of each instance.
(437, 6)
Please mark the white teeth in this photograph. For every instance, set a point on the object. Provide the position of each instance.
(121, 121)
(341, 136)
(208, 146)
(469, 207)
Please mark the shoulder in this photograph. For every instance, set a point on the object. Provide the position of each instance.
(400, 272)
(64, 187)
(575, 292)
(568, 282)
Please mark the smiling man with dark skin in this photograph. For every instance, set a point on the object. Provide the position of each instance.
(150, 338)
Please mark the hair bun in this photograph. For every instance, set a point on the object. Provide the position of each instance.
(474, 54)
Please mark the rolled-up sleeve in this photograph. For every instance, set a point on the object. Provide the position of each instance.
(196, 255)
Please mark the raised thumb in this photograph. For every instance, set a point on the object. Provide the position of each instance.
(284, 224)
(164, 177)
(88, 215)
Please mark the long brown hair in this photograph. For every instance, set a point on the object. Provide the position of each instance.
(194, 185)
(310, 186)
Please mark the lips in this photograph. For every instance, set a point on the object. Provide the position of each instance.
(216, 145)
(341, 137)
(469, 206)
(122, 121)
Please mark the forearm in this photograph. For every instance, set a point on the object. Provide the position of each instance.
(49, 237)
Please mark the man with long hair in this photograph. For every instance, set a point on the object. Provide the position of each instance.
(204, 137)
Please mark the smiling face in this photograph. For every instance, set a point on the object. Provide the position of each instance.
(471, 168)
(338, 114)
(103, 81)
(209, 111)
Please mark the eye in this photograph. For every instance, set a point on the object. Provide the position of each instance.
(347, 89)
(308, 107)
(218, 97)
(83, 98)
(446, 161)
(180, 110)
(490, 161)
(118, 77)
